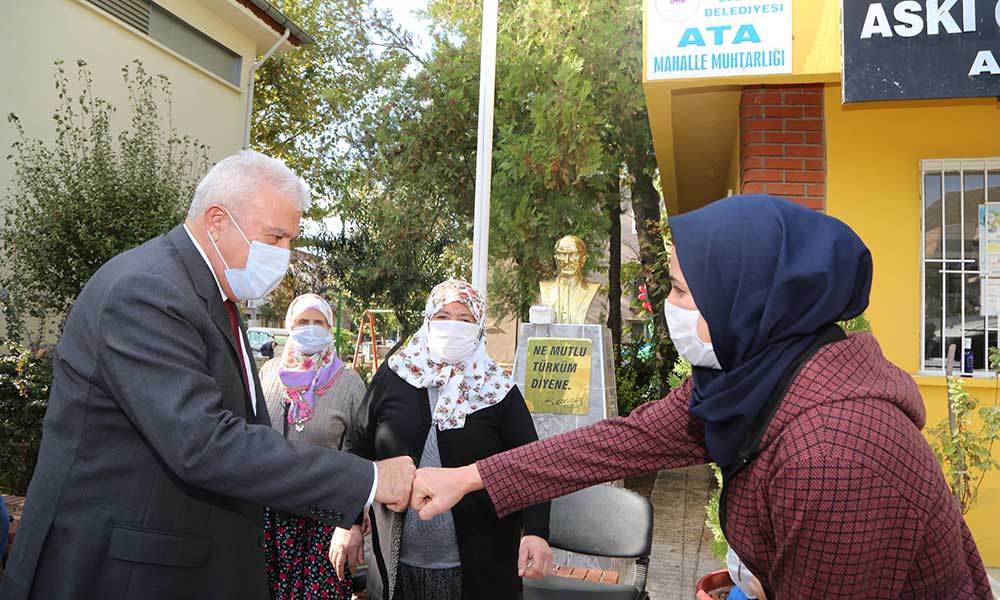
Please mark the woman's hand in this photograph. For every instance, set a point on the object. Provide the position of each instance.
(346, 545)
(366, 527)
(757, 589)
(534, 559)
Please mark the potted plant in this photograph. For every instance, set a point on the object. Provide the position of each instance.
(964, 450)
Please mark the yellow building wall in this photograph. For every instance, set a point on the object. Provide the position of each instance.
(735, 168)
(873, 184)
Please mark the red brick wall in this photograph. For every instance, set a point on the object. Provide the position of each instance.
(782, 143)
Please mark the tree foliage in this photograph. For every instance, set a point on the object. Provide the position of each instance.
(334, 113)
(308, 102)
(89, 195)
(398, 158)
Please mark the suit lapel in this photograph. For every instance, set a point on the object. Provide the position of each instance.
(204, 282)
(207, 288)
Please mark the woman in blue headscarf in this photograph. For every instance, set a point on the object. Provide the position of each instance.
(830, 490)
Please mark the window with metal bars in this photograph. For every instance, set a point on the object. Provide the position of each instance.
(960, 289)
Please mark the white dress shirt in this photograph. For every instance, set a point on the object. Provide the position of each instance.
(246, 358)
(247, 365)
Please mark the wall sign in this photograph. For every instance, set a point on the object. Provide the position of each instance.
(557, 377)
(715, 38)
(908, 49)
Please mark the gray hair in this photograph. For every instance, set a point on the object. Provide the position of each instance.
(235, 179)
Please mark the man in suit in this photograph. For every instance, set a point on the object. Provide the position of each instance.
(157, 452)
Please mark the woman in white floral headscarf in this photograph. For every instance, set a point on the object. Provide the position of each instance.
(443, 401)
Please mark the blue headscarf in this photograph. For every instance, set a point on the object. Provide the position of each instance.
(767, 275)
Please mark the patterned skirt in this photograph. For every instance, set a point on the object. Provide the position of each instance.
(297, 552)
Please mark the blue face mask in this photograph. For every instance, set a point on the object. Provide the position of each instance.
(266, 267)
(311, 339)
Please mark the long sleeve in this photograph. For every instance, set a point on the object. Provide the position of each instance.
(655, 436)
(163, 385)
(274, 393)
(517, 430)
(359, 439)
(840, 531)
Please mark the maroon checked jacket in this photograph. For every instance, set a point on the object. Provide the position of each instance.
(845, 500)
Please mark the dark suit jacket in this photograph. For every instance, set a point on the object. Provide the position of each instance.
(398, 421)
(151, 474)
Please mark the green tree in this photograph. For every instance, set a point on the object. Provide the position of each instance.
(335, 112)
(571, 132)
(391, 258)
(90, 195)
(307, 103)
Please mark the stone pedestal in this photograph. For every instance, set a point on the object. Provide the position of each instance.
(565, 392)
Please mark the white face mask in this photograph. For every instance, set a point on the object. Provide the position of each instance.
(266, 267)
(683, 325)
(311, 339)
(452, 341)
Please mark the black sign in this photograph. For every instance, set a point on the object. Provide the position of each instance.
(902, 49)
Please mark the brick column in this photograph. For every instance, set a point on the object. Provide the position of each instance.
(782, 143)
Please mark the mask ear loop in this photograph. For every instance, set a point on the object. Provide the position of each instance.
(217, 251)
(231, 218)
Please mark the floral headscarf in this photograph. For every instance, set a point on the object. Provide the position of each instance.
(467, 386)
(306, 376)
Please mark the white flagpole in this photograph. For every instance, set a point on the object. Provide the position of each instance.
(484, 152)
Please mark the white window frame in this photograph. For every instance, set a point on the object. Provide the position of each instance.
(943, 166)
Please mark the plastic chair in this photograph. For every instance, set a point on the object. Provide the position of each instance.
(599, 521)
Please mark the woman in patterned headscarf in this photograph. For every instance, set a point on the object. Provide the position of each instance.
(445, 402)
(313, 398)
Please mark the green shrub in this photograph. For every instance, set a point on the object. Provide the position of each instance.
(719, 546)
(964, 451)
(89, 195)
(637, 378)
(858, 323)
(25, 377)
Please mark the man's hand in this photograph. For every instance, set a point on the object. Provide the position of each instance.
(437, 490)
(534, 559)
(346, 545)
(395, 480)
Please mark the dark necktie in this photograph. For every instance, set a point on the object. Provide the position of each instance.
(234, 322)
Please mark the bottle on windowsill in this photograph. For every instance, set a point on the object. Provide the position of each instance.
(967, 357)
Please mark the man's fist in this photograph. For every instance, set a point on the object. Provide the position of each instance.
(395, 479)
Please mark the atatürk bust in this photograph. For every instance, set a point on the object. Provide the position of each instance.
(570, 294)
